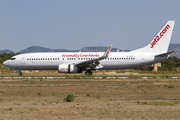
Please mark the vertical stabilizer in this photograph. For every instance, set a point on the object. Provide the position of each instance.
(160, 42)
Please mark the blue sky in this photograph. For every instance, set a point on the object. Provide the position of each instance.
(73, 24)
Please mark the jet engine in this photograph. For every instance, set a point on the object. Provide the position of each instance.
(67, 68)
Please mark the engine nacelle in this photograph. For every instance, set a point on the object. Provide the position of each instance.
(67, 68)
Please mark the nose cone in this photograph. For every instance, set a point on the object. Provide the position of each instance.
(5, 63)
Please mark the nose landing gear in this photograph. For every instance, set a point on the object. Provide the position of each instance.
(20, 73)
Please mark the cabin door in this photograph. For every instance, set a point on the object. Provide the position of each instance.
(142, 59)
(23, 60)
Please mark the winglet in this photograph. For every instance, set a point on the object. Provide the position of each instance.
(106, 54)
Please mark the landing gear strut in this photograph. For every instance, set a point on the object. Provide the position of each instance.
(88, 73)
(20, 73)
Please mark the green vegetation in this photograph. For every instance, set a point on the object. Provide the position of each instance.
(8, 109)
(171, 64)
(169, 86)
(123, 83)
(5, 56)
(87, 95)
(134, 76)
(98, 97)
(171, 103)
(104, 76)
(40, 78)
(69, 97)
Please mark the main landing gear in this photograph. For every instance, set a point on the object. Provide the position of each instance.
(88, 73)
(20, 73)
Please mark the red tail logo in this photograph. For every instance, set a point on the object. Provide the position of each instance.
(158, 37)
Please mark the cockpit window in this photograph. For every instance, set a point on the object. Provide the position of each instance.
(12, 58)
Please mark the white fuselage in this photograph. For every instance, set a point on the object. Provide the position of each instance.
(51, 61)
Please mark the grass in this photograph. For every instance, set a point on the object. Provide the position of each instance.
(98, 97)
(104, 76)
(169, 86)
(171, 103)
(152, 76)
(104, 112)
(111, 104)
(8, 109)
(31, 108)
(40, 78)
(145, 91)
(70, 97)
(123, 83)
(131, 76)
(165, 76)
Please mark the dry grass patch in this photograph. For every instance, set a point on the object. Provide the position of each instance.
(171, 103)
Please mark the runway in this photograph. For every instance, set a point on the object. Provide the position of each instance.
(92, 77)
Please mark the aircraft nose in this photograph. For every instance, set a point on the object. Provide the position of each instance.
(5, 63)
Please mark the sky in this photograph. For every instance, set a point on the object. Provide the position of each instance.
(74, 24)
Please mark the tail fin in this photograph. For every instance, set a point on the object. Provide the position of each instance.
(160, 43)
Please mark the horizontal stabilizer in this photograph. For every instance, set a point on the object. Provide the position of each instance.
(165, 54)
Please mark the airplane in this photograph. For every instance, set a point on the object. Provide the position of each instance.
(76, 62)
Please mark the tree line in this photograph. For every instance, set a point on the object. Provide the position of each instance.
(6, 56)
(172, 63)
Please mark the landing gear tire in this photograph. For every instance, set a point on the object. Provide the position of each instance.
(20, 74)
(88, 73)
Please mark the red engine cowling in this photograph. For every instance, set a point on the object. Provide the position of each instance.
(67, 68)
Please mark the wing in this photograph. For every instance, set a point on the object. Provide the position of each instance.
(94, 63)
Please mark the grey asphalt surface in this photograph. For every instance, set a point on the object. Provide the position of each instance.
(93, 76)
